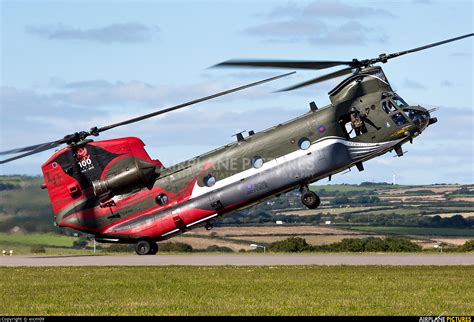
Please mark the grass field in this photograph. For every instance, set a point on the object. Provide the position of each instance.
(53, 244)
(310, 239)
(228, 290)
(328, 210)
(48, 239)
(349, 187)
(425, 231)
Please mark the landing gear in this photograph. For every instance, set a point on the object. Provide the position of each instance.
(208, 226)
(154, 249)
(145, 247)
(309, 198)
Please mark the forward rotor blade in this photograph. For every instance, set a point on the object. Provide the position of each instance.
(284, 64)
(323, 78)
(400, 53)
(166, 110)
(41, 148)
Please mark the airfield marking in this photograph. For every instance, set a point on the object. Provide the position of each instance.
(241, 260)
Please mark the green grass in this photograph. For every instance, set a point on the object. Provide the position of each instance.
(48, 239)
(398, 211)
(414, 230)
(448, 209)
(348, 187)
(228, 290)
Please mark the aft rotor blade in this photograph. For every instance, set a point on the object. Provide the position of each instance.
(166, 110)
(78, 136)
(323, 78)
(41, 148)
(29, 148)
(284, 64)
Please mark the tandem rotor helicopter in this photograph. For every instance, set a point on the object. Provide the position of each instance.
(115, 191)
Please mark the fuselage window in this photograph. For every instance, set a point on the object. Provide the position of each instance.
(209, 180)
(399, 119)
(304, 143)
(257, 162)
(161, 199)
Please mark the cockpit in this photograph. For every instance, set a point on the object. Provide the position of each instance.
(406, 118)
(420, 118)
(399, 110)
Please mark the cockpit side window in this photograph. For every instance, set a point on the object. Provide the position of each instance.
(388, 107)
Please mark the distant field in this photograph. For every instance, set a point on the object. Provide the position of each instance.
(330, 210)
(440, 189)
(53, 243)
(423, 199)
(449, 209)
(416, 231)
(204, 242)
(271, 230)
(348, 187)
(48, 239)
(447, 215)
(453, 241)
(310, 239)
(463, 199)
(399, 211)
(230, 290)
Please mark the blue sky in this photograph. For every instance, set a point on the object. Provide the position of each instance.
(68, 66)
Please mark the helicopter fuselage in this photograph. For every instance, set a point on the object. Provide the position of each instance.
(134, 198)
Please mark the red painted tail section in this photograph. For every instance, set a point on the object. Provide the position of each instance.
(69, 173)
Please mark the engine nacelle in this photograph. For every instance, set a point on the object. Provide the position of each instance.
(137, 174)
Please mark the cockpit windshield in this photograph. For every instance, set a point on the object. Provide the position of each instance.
(399, 101)
(420, 118)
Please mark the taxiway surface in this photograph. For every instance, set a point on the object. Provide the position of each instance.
(241, 260)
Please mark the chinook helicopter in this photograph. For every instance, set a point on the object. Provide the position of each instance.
(115, 191)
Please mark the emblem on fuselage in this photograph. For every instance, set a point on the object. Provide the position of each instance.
(83, 159)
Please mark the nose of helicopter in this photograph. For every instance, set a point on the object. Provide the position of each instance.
(421, 117)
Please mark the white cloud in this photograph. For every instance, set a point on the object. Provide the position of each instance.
(413, 84)
(315, 24)
(130, 32)
(328, 9)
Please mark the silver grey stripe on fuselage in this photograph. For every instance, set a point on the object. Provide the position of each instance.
(329, 155)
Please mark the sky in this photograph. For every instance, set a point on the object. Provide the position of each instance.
(67, 66)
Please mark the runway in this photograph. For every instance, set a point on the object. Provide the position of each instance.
(241, 260)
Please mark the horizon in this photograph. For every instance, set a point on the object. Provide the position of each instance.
(317, 183)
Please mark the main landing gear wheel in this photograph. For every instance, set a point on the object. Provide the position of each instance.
(145, 247)
(310, 199)
(154, 248)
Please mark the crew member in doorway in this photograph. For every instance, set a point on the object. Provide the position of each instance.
(357, 123)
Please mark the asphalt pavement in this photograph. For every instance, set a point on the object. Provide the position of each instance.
(241, 260)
